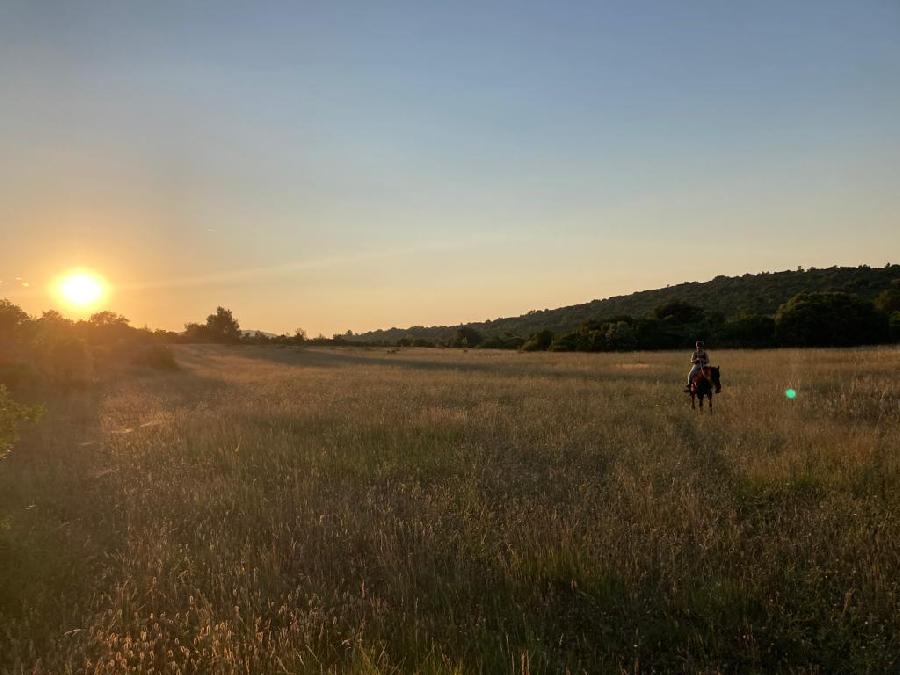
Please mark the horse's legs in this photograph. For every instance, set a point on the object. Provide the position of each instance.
(692, 401)
(710, 402)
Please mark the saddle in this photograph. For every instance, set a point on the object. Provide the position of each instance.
(704, 373)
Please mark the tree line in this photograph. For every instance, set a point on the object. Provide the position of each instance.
(60, 349)
(826, 319)
(732, 297)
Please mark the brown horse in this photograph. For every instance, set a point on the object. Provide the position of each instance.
(705, 382)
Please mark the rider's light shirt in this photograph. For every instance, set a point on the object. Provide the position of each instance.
(700, 357)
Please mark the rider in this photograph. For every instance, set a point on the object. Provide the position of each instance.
(699, 359)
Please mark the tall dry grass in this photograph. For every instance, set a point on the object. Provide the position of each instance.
(266, 510)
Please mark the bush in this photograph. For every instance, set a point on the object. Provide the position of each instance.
(749, 331)
(64, 358)
(11, 414)
(538, 342)
(157, 357)
(17, 374)
(505, 341)
(466, 337)
(895, 326)
(829, 320)
(569, 342)
(678, 312)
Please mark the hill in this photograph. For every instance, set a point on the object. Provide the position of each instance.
(759, 294)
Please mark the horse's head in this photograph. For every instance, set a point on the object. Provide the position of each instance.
(714, 376)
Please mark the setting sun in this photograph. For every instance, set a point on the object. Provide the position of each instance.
(81, 289)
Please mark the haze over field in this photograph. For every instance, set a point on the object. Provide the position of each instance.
(365, 165)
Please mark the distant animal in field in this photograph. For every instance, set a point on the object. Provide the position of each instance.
(705, 383)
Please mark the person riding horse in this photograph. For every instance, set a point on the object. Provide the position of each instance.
(703, 380)
(699, 360)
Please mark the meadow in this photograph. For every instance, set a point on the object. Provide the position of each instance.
(355, 510)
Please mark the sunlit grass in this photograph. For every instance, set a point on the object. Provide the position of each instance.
(271, 510)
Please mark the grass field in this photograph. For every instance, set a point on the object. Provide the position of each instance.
(275, 510)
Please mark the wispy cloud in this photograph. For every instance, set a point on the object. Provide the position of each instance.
(269, 271)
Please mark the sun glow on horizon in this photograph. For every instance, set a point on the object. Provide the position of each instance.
(81, 289)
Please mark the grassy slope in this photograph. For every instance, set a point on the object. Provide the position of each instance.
(273, 511)
(732, 296)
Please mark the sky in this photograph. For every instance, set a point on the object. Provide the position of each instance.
(360, 165)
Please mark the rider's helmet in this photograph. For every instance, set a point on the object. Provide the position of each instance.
(699, 344)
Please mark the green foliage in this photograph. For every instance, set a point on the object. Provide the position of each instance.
(621, 336)
(678, 312)
(12, 414)
(538, 342)
(829, 320)
(504, 341)
(466, 336)
(219, 327)
(750, 330)
(12, 319)
(894, 326)
(60, 353)
(888, 301)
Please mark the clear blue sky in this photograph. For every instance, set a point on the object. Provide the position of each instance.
(360, 165)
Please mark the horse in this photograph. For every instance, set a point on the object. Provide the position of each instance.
(704, 383)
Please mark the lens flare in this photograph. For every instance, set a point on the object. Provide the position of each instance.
(791, 394)
(81, 289)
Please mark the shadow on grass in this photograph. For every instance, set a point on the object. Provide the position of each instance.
(60, 521)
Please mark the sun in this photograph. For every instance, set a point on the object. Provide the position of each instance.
(81, 289)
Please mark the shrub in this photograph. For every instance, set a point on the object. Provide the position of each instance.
(17, 374)
(11, 414)
(895, 326)
(538, 342)
(64, 358)
(157, 357)
(829, 320)
(505, 341)
(678, 312)
(569, 342)
(466, 337)
(749, 331)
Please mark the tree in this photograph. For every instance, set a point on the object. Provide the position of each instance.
(467, 337)
(888, 301)
(219, 327)
(107, 319)
(222, 326)
(749, 330)
(107, 327)
(12, 318)
(829, 320)
(894, 326)
(621, 336)
(538, 342)
(678, 312)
